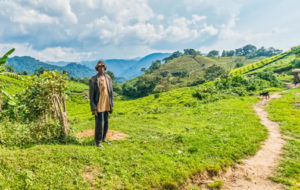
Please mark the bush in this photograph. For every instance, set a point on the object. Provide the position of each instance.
(20, 134)
(164, 73)
(214, 72)
(269, 76)
(143, 86)
(180, 74)
(235, 86)
(197, 82)
(296, 63)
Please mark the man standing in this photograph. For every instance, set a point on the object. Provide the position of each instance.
(101, 102)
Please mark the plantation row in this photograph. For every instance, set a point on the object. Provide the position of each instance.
(259, 64)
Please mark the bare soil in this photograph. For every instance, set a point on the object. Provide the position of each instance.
(111, 135)
(89, 174)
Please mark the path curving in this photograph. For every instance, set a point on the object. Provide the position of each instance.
(254, 173)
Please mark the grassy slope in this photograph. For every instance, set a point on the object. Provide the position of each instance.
(11, 85)
(285, 112)
(282, 64)
(170, 138)
(196, 67)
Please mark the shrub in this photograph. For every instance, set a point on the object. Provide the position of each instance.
(214, 72)
(235, 86)
(20, 134)
(197, 82)
(180, 74)
(296, 63)
(164, 73)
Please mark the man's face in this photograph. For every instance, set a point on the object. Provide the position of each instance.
(101, 69)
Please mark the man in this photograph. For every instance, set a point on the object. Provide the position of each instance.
(101, 102)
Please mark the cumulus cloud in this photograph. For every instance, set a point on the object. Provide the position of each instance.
(82, 29)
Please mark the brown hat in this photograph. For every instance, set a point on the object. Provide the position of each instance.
(100, 63)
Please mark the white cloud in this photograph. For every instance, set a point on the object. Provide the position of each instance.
(127, 11)
(18, 14)
(124, 28)
(48, 54)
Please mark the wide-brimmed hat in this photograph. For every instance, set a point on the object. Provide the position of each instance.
(100, 63)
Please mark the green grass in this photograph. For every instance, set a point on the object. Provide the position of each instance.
(76, 86)
(171, 137)
(286, 112)
(11, 85)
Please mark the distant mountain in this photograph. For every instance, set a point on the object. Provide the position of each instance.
(124, 68)
(29, 64)
(145, 62)
(59, 63)
(117, 66)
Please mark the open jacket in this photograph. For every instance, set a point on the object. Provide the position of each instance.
(94, 93)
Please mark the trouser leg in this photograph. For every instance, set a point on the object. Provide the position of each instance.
(105, 125)
(99, 125)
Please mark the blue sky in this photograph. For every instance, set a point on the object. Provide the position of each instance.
(75, 30)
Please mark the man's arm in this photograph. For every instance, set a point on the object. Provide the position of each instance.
(91, 96)
(111, 92)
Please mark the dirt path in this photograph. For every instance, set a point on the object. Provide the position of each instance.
(111, 135)
(254, 172)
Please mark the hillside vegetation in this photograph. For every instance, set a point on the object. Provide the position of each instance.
(190, 69)
(183, 71)
(281, 63)
(171, 135)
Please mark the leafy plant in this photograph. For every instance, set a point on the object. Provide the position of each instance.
(3, 61)
(43, 99)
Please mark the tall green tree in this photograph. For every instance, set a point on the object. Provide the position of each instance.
(248, 49)
(191, 52)
(213, 53)
(173, 56)
(154, 66)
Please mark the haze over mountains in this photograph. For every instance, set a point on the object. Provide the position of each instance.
(122, 68)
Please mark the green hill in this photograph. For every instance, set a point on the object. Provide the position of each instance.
(180, 72)
(191, 70)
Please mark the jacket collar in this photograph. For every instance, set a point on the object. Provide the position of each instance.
(94, 78)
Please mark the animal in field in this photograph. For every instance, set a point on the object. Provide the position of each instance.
(265, 95)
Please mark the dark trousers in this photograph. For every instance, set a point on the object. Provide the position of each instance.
(101, 126)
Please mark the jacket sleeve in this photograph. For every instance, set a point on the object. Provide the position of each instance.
(112, 93)
(91, 95)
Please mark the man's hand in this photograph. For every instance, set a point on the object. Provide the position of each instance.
(111, 110)
(95, 113)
